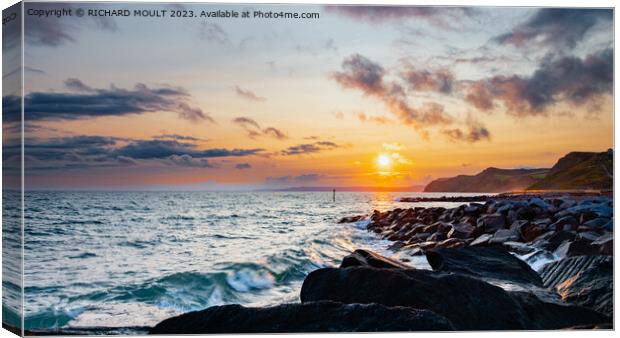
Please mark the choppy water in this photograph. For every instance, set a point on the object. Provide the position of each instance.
(119, 259)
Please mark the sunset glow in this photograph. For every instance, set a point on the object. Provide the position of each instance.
(279, 104)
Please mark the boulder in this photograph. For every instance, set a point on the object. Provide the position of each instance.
(565, 223)
(504, 235)
(605, 244)
(552, 242)
(308, 317)
(461, 230)
(583, 280)
(579, 247)
(518, 247)
(486, 263)
(362, 257)
(468, 303)
(591, 288)
(597, 223)
(557, 272)
(531, 231)
(352, 219)
(481, 240)
(492, 222)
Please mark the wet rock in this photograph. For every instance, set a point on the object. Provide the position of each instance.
(491, 222)
(362, 257)
(481, 240)
(552, 242)
(352, 219)
(518, 247)
(450, 243)
(504, 235)
(605, 244)
(469, 303)
(486, 263)
(595, 223)
(543, 223)
(436, 237)
(565, 223)
(578, 247)
(461, 230)
(586, 281)
(531, 231)
(308, 317)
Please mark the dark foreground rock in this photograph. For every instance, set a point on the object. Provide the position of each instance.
(484, 263)
(307, 317)
(368, 258)
(469, 303)
(590, 282)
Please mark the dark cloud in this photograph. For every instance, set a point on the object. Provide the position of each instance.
(570, 79)
(253, 129)
(78, 152)
(53, 31)
(362, 74)
(186, 160)
(156, 149)
(309, 148)
(178, 137)
(242, 166)
(443, 17)
(248, 94)
(423, 80)
(557, 27)
(473, 132)
(86, 102)
(77, 85)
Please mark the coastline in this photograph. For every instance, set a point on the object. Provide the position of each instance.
(485, 244)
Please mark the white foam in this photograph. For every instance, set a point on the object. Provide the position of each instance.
(246, 280)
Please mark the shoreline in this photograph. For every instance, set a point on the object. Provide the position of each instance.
(481, 243)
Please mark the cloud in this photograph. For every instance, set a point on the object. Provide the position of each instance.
(86, 102)
(246, 122)
(571, 79)
(77, 85)
(82, 152)
(375, 119)
(557, 27)
(54, 31)
(442, 17)
(154, 149)
(474, 132)
(362, 74)
(178, 137)
(309, 148)
(248, 94)
(242, 166)
(253, 129)
(126, 160)
(422, 80)
(276, 133)
(213, 32)
(186, 160)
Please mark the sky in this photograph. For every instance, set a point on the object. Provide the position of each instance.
(361, 96)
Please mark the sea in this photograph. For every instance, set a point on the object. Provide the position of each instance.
(132, 259)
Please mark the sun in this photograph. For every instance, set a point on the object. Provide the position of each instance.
(384, 161)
